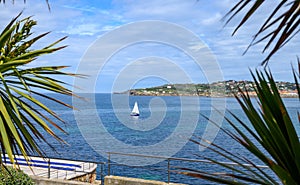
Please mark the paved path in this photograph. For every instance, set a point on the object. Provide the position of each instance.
(53, 168)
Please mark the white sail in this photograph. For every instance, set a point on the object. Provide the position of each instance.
(135, 110)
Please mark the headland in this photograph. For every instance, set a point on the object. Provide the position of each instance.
(217, 89)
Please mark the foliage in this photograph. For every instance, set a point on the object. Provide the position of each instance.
(21, 113)
(10, 176)
(271, 137)
(278, 28)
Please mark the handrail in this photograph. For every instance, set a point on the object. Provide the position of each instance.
(182, 159)
(169, 159)
(53, 165)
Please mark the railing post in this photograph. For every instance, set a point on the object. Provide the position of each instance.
(49, 168)
(101, 173)
(108, 165)
(168, 170)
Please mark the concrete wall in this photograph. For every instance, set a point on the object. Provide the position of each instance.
(86, 177)
(108, 180)
(46, 181)
(112, 180)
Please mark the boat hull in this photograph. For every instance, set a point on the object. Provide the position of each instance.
(134, 114)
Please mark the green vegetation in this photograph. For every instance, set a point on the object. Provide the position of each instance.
(269, 135)
(274, 140)
(10, 176)
(279, 27)
(224, 88)
(23, 117)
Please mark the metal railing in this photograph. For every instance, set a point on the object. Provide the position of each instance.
(60, 167)
(168, 168)
(86, 165)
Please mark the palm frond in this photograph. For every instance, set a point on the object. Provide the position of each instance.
(280, 26)
(23, 118)
(270, 136)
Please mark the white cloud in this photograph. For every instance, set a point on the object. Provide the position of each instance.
(85, 21)
(82, 29)
(84, 9)
(212, 20)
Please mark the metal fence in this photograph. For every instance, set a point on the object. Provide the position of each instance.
(55, 168)
(168, 168)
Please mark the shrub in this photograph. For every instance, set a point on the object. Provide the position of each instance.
(11, 176)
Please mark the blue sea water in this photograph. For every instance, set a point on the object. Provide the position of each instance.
(161, 118)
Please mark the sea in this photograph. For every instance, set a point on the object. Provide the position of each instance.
(168, 127)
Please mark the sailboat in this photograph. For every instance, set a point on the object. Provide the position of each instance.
(135, 111)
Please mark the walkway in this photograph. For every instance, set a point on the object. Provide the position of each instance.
(53, 168)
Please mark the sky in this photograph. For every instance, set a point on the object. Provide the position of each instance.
(122, 44)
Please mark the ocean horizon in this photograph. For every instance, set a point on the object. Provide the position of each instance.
(151, 130)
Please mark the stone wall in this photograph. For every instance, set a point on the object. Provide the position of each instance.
(91, 177)
(112, 180)
(45, 181)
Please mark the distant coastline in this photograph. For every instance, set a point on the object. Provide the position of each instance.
(217, 89)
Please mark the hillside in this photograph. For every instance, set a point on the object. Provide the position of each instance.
(217, 89)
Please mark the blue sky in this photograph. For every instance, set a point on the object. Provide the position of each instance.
(86, 21)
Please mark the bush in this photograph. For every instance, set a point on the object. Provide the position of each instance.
(11, 176)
